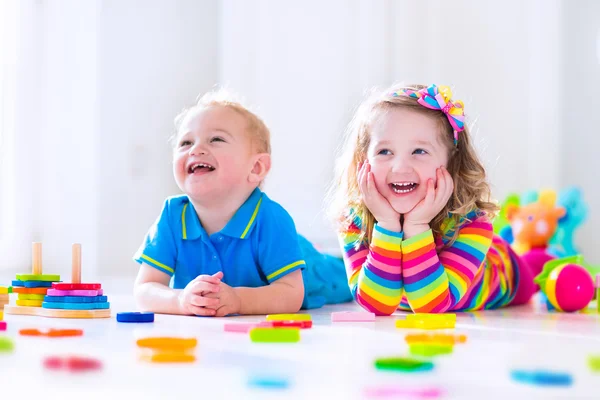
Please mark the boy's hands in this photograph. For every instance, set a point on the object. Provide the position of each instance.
(381, 209)
(228, 300)
(194, 298)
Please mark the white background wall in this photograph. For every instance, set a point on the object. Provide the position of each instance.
(113, 74)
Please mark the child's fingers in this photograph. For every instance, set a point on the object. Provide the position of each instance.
(202, 286)
(218, 275)
(205, 312)
(441, 185)
(208, 278)
(430, 195)
(203, 301)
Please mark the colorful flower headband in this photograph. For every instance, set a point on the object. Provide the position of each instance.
(439, 99)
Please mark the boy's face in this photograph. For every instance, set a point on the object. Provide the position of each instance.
(213, 154)
(404, 152)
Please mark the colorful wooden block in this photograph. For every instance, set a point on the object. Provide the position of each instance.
(167, 343)
(275, 335)
(53, 313)
(6, 344)
(425, 324)
(289, 317)
(352, 316)
(403, 364)
(76, 306)
(169, 357)
(75, 292)
(286, 324)
(1, 315)
(76, 286)
(542, 377)
(73, 363)
(38, 277)
(2, 325)
(29, 303)
(76, 299)
(135, 317)
(430, 349)
(31, 284)
(25, 296)
(431, 316)
(51, 332)
(436, 338)
(239, 327)
(30, 290)
(3, 290)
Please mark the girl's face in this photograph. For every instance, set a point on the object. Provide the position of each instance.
(404, 152)
(213, 156)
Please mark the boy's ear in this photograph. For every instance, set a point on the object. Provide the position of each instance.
(261, 167)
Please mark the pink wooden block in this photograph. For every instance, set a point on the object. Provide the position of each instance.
(403, 391)
(56, 292)
(2, 325)
(352, 316)
(239, 327)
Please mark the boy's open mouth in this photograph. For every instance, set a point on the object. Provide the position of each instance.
(200, 168)
(403, 187)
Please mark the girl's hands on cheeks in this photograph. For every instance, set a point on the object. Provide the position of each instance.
(417, 220)
(379, 206)
(194, 298)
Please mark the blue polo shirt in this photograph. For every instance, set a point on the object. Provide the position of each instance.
(257, 246)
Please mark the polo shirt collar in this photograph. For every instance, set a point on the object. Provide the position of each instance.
(244, 219)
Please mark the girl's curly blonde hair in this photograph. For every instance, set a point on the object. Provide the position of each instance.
(471, 190)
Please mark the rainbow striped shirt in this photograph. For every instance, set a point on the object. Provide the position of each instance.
(424, 274)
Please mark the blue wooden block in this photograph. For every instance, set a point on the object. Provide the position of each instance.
(135, 317)
(76, 306)
(31, 284)
(76, 299)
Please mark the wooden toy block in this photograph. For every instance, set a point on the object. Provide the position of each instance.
(3, 290)
(73, 363)
(76, 306)
(239, 327)
(169, 357)
(275, 335)
(53, 313)
(424, 324)
(31, 284)
(2, 325)
(1, 315)
(430, 349)
(352, 316)
(4, 299)
(30, 290)
(51, 332)
(43, 278)
(403, 364)
(76, 299)
(430, 317)
(286, 324)
(76, 286)
(30, 303)
(289, 317)
(24, 296)
(436, 338)
(57, 292)
(6, 344)
(168, 343)
(135, 317)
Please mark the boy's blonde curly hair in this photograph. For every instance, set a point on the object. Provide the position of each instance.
(471, 190)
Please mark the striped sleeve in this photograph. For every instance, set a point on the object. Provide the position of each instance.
(374, 272)
(437, 283)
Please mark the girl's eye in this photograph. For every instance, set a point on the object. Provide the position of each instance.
(420, 151)
(384, 152)
(217, 139)
(185, 143)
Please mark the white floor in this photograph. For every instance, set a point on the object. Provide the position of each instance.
(332, 360)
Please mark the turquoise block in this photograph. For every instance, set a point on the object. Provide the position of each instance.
(76, 306)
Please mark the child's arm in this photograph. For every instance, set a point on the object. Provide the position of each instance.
(374, 272)
(152, 293)
(436, 283)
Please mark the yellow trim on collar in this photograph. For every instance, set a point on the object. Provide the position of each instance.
(184, 232)
(252, 219)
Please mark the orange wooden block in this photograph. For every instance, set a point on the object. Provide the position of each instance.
(25, 290)
(167, 343)
(51, 332)
(169, 357)
(56, 313)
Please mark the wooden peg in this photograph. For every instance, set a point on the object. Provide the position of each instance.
(76, 263)
(36, 255)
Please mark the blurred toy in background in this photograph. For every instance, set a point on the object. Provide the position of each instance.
(567, 285)
(562, 243)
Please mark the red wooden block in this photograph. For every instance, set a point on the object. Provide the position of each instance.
(76, 286)
(286, 324)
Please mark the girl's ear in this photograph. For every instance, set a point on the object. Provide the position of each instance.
(260, 168)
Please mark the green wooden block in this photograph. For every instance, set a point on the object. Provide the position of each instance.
(403, 364)
(594, 363)
(6, 344)
(43, 278)
(275, 335)
(430, 350)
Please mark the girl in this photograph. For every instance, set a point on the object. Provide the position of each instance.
(414, 212)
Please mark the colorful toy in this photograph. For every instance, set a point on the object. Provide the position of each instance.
(437, 338)
(594, 363)
(2, 325)
(136, 317)
(239, 327)
(289, 317)
(427, 321)
(51, 332)
(275, 335)
(6, 344)
(167, 343)
(268, 382)
(542, 377)
(567, 285)
(351, 316)
(32, 284)
(169, 357)
(286, 324)
(597, 292)
(576, 211)
(73, 363)
(401, 391)
(430, 349)
(61, 300)
(403, 364)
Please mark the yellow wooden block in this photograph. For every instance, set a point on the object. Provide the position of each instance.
(430, 317)
(424, 324)
(170, 344)
(1, 315)
(289, 317)
(30, 303)
(405, 323)
(3, 290)
(24, 296)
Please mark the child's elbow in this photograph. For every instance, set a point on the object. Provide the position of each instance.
(297, 299)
